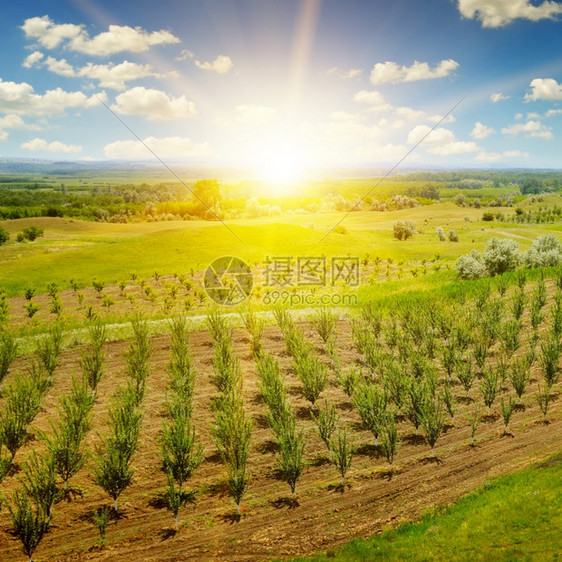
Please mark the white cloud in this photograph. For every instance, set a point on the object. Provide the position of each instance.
(481, 131)
(343, 73)
(411, 114)
(13, 122)
(531, 129)
(177, 148)
(544, 89)
(222, 64)
(255, 114)
(155, 105)
(47, 33)
(117, 39)
(41, 145)
(440, 141)
(496, 156)
(32, 59)
(60, 67)
(390, 72)
(115, 76)
(109, 75)
(21, 99)
(498, 96)
(553, 113)
(497, 13)
(370, 98)
(518, 116)
(184, 55)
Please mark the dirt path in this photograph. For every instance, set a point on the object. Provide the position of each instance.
(510, 235)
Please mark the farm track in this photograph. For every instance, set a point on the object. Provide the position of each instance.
(270, 527)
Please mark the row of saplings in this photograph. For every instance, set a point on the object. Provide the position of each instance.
(31, 506)
(401, 380)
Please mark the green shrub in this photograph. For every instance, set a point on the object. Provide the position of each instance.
(4, 236)
(30, 523)
(403, 230)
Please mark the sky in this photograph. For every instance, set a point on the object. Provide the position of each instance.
(282, 86)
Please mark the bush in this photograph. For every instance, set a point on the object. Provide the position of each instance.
(4, 236)
(488, 216)
(453, 236)
(470, 266)
(500, 255)
(31, 233)
(440, 234)
(404, 229)
(546, 251)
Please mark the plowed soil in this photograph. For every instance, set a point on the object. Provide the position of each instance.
(324, 516)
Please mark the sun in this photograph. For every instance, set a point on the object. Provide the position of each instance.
(280, 164)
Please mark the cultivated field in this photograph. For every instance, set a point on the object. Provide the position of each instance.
(324, 514)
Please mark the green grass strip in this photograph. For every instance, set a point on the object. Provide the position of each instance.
(515, 517)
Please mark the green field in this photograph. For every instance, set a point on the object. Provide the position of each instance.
(82, 250)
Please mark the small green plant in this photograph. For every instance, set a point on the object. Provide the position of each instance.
(29, 293)
(432, 421)
(370, 402)
(389, 439)
(543, 399)
(518, 304)
(449, 401)
(102, 517)
(490, 388)
(49, 348)
(65, 442)
(8, 352)
(326, 422)
(466, 376)
(40, 481)
(313, 375)
(174, 499)
(348, 380)
(507, 407)
(31, 308)
(474, 421)
(107, 301)
(502, 284)
(232, 433)
(325, 322)
(52, 289)
(521, 278)
(30, 522)
(549, 358)
(98, 285)
(92, 359)
(290, 458)
(519, 377)
(343, 451)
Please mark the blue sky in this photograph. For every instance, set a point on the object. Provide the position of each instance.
(278, 86)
